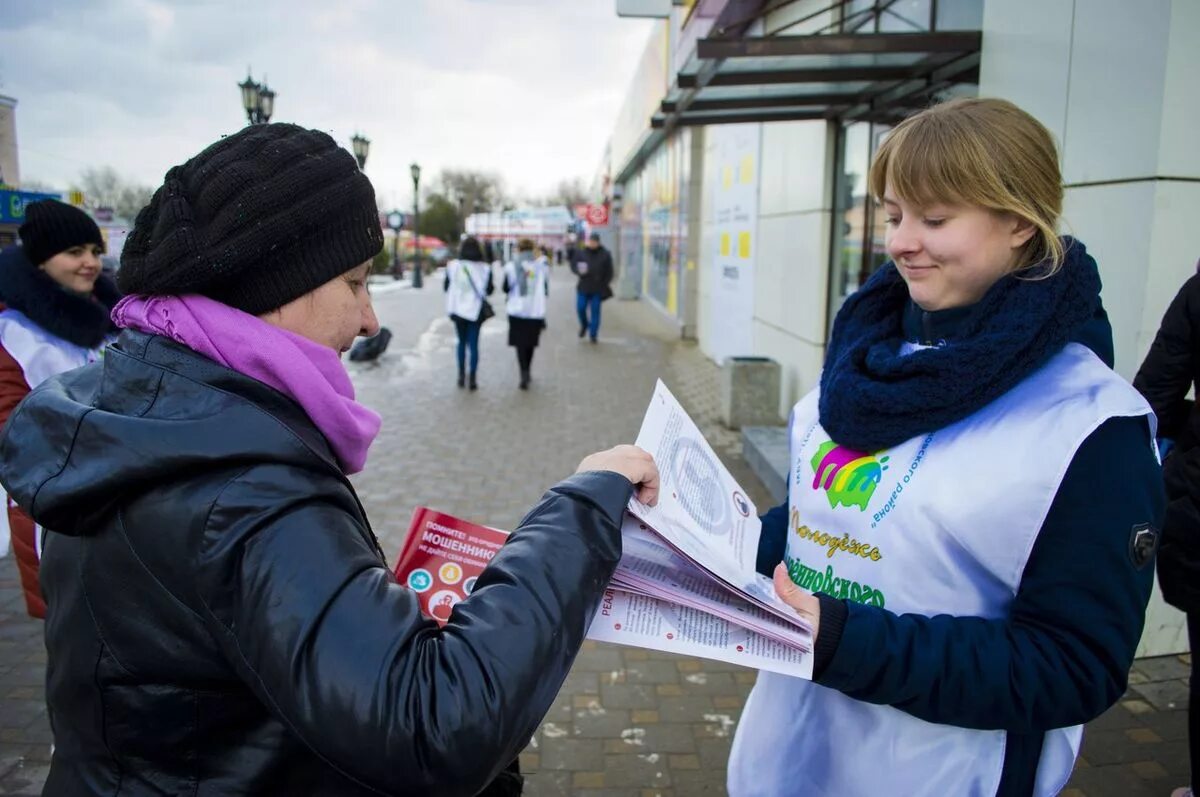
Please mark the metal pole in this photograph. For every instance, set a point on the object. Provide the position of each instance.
(416, 280)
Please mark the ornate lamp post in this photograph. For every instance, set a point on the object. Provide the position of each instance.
(416, 175)
(361, 146)
(258, 100)
(395, 221)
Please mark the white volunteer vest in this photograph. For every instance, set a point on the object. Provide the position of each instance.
(533, 303)
(462, 299)
(941, 524)
(41, 355)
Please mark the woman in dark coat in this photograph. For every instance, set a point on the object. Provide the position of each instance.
(1170, 370)
(221, 618)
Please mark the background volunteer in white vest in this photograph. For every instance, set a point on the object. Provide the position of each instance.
(975, 495)
(54, 318)
(468, 284)
(527, 283)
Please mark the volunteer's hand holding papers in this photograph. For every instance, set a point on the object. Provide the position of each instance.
(803, 602)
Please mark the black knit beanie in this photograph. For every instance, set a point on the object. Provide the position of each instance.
(51, 227)
(256, 220)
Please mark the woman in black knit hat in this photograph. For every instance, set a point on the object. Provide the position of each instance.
(55, 317)
(221, 617)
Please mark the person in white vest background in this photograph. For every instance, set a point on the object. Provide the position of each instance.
(55, 317)
(974, 499)
(527, 283)
(468, 284)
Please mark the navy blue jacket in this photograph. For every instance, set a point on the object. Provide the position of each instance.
(1062, 657)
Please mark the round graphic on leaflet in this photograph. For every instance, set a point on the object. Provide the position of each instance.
(441, 603)
(695, 475)
(450, 573)
(420, 580)
(469, 585)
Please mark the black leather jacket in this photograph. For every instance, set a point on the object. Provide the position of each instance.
(222, 621)
(599, 272)
(1170, 370)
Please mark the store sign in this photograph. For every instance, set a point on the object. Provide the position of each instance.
(12, 204)
(658, 9)
(596, 215)
(734, 248)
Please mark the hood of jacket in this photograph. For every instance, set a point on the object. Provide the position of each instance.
(82, 320)
(152, 411)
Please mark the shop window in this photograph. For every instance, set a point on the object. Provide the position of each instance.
(859, 233)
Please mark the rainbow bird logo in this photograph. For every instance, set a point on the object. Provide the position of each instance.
(848, 477)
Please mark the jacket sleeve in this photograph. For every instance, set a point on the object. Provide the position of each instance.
(1062, 656)
(1167, 372)
(608, 267)
(772, 539)
(302, 605)
(13, 386)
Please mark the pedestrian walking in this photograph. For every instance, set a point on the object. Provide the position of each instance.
(1170, 370)
(55, 317)
(527, 284)
(594, 267)
(221, 619)
(981, 566)
(468, 283)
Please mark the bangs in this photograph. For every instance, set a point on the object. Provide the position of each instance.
(924, 164)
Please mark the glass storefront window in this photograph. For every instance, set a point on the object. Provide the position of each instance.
(905, 16)
(859, 230)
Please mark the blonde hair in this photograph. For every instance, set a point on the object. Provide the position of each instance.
(525, 245)
(986, 153)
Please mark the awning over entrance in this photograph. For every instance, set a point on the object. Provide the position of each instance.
(871, 76)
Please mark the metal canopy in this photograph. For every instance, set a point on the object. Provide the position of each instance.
(874, 76)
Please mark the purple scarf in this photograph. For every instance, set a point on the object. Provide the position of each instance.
(303, 370)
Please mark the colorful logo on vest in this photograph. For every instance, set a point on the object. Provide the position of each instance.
(848, 477)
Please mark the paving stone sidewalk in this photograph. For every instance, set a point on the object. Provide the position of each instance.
(627, 722)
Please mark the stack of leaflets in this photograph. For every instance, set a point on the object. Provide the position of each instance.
(686, 582)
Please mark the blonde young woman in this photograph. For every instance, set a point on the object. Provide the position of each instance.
(974, 494)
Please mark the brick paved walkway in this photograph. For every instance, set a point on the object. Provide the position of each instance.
(627, 722)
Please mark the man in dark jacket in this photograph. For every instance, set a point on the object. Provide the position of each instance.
(1171, 368)
(594, 267)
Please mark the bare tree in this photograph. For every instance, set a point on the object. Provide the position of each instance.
(569, 192)
(471, 191)
(103, 187)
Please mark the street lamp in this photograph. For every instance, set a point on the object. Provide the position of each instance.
(361, 146)
(395, 221)
(416, 175)
(258, 100)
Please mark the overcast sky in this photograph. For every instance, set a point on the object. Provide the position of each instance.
(526, 88)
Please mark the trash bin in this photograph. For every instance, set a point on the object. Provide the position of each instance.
(749, 392)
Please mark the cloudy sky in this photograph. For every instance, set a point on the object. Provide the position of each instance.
(527, 88)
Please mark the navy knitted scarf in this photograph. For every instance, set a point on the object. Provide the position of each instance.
(873, 397)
